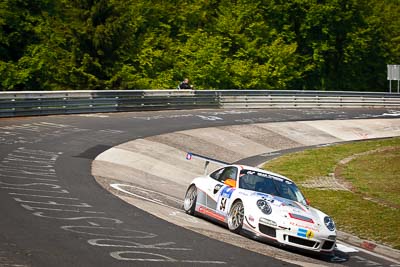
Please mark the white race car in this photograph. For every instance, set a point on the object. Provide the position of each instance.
(267, 205)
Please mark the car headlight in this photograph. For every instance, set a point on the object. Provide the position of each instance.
(264, 206)
(329, 223)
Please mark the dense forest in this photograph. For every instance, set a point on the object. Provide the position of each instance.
(154, 44)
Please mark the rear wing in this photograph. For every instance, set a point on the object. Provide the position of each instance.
(190, 156)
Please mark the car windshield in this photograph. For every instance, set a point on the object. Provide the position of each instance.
(269, 184)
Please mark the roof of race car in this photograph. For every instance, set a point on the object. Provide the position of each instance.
(246, 167)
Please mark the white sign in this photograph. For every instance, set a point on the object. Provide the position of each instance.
(393, 72)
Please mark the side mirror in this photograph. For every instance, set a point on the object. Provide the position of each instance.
(230, 182)
(308, 202)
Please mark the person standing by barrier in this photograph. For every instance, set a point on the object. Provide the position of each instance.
(185, 84)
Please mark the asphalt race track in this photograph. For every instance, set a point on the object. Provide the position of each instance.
(53, 212)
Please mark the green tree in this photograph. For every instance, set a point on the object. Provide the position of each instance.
(242, 44)
(101, 37)
(21, 26)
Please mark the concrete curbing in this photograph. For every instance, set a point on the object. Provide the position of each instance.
(369, 245)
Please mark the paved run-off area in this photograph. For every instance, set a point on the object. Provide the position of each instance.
(153, 173)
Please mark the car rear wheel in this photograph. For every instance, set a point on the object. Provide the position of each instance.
(189, 204)
(235, 217)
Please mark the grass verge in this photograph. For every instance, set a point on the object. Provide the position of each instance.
(370, 169)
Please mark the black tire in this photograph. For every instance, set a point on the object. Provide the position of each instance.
(189, 204)
(236, 217)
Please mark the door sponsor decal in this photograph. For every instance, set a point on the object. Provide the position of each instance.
(223, 199)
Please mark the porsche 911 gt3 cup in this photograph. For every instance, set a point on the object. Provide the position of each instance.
(265, 204)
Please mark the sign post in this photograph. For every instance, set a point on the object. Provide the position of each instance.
(393, 74)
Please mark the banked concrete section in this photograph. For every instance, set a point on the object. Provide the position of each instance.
(156, 168)
(161, 159)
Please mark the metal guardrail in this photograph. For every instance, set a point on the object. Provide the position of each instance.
(70, 102)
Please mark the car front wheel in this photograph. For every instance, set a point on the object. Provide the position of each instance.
(235, 217)
(189, 204)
